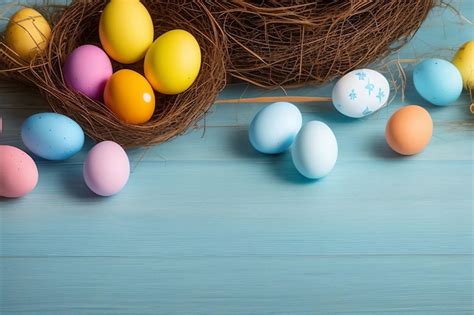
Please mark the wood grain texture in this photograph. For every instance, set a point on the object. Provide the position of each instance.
(206, 225)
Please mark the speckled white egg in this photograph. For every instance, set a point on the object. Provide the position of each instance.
(360, 93)
(315, 150)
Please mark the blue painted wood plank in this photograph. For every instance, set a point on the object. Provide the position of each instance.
(239, 285)
(207, 225)
(247, 208)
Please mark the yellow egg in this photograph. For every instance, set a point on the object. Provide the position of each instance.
(173, 62)
(464, 61)
(129, 95)
(125, 30)
(27, 33)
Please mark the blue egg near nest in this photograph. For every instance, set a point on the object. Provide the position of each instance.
(438, 81)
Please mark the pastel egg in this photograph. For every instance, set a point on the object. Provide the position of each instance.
(106, 168)
(274, 128)
(173, 62)
(315, 150)
(438, 81)
(27, 33)
(52, 136)
(409, 130)
(86, 70)
(360, 93)
(126, 30)
(129, 95)
(18, 172)
(464, 61)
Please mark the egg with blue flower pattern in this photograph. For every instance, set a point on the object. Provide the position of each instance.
(360, 93)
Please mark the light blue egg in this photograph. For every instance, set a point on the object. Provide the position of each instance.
(438, 81)
(52, 136)
(275, 127)
(315, 150)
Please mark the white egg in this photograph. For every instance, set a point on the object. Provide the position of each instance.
(360, 93)
(275, 127)
(314, 151)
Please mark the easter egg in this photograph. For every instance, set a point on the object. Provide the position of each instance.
(409, 130)
(464, 61)
(52, 136)
(129, 95)
(315, 150)
(173, 62)
(106, 168)
(86, 70)
(438, 81)
(27, 33)
(125, 30)
(274, 127)
(360, 93)
(18, 172)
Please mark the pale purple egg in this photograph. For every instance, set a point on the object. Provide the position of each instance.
(106, 168)
(87, 70)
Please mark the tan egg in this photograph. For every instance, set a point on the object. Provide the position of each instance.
(27, 33)
(409, 130)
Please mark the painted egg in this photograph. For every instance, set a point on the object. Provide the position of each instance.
(274, 128)
(125, 30)
(409, 130)
(129, 95)
(18, 172)
(106, 168)
(173, 62)
(360, 93)
(27, 33)
(438, 81)
(315, 150)
(464, 61)
(52, 136)
(86, 70)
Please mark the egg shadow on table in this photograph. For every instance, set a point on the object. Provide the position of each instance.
(280, 165)
(240, 145)
(74, 185)
(10, 201)
(379, 148)
(282, 168)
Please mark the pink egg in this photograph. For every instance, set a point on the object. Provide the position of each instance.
(106, 169)
(87, 70)
(18, 172)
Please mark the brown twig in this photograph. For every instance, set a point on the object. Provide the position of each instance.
(271, 99)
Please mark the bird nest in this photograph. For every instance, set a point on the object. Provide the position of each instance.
(77, 24)
(292, 42)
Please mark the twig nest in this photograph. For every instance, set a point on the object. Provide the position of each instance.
(78, 24)
(291, 42)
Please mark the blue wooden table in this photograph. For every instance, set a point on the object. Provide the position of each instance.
(206, 225)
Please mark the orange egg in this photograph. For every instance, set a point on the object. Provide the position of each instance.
(129, 95)
(409, 130)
